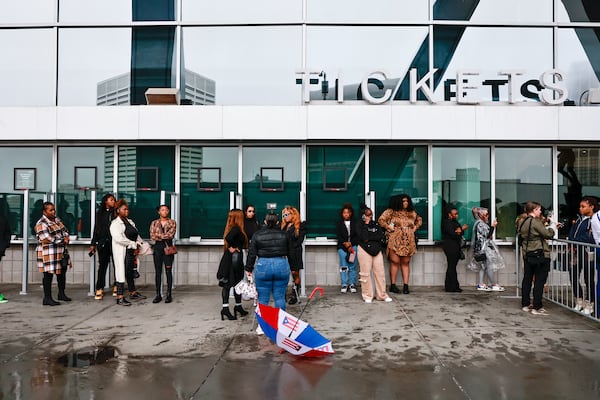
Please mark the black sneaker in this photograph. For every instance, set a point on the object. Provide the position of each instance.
(123, 302)
(137, 296)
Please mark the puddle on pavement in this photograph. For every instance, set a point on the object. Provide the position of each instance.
(88, 356)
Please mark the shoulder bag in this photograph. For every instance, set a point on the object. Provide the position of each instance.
(169, 250)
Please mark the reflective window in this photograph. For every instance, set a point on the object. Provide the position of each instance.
(461, 178)
(578, 176)
(26, 168)
(577, 11)
(27, 11)
(11, 208)
(113, 11)
(399, 169)
(375, 10)
(344, 167)
(510, 11)
(246, 65)
(94, 66)
(204, 204)
(241, 11)
(271, 175)
(522, 175)
(143, 202)
(355, 52)
(577, 57)
(27, 67)
(489, 51)
(81, 170)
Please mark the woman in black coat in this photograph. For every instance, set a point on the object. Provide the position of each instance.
(296, 231)
(452, 233)
(231, 267)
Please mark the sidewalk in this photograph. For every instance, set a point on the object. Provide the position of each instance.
(429, 344)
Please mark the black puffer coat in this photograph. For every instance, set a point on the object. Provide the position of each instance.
(268, 242)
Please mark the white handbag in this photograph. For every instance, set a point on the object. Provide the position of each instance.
(246, 288)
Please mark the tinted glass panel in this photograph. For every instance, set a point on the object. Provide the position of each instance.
(577, 11)
(509, 11)
(94, 66)
(461, 178)
(400, 169)
(273, 161)
(578, 176)
(143, 203)
(324, 205)
(27, 67)
(245, 65)
(522, 175)
(578, 55)
(204, 213)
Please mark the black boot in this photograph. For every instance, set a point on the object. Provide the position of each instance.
(238, 309)
(158, 298)
(62, 283)
(405, 289)
(169, 273)
(394, 288)
(47, 284)
(293, 295)
(226, 313)
(158, 283)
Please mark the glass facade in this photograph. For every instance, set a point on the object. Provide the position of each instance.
(248, 54)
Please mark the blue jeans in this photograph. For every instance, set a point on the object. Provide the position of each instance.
(348, 270)
(271, 275)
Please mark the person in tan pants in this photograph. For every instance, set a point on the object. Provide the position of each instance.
(370, 258)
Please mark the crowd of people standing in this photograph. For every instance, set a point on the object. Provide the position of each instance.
(270, 252)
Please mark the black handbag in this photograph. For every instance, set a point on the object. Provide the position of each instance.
(65, 260)
(535, 257)
(479, 257)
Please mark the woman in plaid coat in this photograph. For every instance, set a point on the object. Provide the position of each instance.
(52, 237)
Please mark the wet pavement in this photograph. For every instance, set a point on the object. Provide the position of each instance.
(426, 345)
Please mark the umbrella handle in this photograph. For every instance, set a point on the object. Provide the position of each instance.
(316, 289)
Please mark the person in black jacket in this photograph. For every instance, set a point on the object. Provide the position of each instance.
(251, 224)
(370, 258)
(296, 231)
(102, 242)
(268, 262)
(5, 233)
(346, 231)
(452, 237)
(231, 267)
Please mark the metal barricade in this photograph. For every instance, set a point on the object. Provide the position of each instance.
(573, 279)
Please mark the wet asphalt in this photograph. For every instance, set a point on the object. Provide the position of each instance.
(425, 345)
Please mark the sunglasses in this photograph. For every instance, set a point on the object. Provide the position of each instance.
(251, 211)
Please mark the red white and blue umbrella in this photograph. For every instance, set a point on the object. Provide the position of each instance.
(292, 334)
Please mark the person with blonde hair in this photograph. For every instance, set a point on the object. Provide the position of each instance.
(296, 231)
(231, 267)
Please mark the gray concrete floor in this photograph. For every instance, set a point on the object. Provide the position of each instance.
(426, 345)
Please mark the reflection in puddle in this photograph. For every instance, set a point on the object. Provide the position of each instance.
(88, 356)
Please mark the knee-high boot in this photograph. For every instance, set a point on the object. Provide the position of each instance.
(62, 283)
(169, 273)
(47, 284)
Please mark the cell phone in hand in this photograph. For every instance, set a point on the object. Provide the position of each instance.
(91, 254)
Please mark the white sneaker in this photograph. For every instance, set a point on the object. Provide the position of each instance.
(352, 289)
(388, 299)
(368, 301)
(588, 308)
(344, 289)
(527, 308)
(497, 288)
(539, 311)
(484, 288)
(578, 304)
(259, 331)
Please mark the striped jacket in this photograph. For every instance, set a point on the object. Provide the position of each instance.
(51, 244)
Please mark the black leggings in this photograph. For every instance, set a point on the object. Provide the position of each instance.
(129, 270)
(104, 256)
(161, 258)
(225, 294)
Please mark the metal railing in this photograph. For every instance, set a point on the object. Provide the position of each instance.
(573, 278)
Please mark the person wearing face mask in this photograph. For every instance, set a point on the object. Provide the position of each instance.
(53, 238)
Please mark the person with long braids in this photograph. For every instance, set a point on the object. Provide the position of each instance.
(231, 267)
(125, 238)
(162, 231)
(102, 242)
(53, 238)
(401, 221)
(296, 231)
